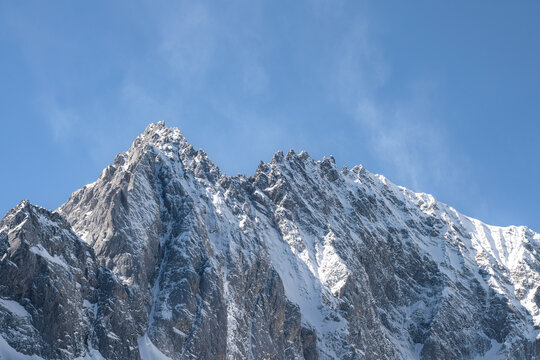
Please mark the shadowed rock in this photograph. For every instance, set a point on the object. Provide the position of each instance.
(166, 255)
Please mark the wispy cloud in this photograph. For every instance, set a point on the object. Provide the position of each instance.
(188, 40)
(403, 132)
(205, 63)
(198, 41)
(62, 121)
(407, 137)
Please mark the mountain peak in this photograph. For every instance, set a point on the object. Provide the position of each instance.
(158, 134)
(298, 261)
(155, 126)
(25, 207)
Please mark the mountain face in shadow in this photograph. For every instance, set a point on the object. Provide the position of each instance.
(165, 257)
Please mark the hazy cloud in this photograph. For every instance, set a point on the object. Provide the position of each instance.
(403, 132)
(188, 39)
(199, 55)
(62, 121)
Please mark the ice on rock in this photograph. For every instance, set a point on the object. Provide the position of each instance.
(298, 261)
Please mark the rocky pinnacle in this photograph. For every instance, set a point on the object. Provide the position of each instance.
(166, 257)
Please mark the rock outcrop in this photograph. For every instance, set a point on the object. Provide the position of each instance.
(165, 257)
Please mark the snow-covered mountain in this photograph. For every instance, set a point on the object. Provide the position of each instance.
(164, 257)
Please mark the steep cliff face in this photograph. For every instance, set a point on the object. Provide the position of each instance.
(165, 257)
(55, 301)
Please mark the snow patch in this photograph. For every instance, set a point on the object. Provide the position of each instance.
(149, 351)
(92, 354)
(14, 308)
(9, 353)
(41, 251)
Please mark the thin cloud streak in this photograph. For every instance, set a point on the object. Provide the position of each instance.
(188, 41)
(405, 133)
(62, 121)
(191, 39)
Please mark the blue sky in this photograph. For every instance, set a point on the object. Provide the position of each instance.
(441, 97)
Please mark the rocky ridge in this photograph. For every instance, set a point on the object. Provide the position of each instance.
(165, 257)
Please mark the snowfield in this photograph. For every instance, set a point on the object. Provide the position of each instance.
(165, 257)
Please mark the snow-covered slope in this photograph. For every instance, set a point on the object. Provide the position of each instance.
(299, 261)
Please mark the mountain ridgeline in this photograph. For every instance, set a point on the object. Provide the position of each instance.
(165, 257)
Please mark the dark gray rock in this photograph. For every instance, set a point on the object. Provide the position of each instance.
(164, 255)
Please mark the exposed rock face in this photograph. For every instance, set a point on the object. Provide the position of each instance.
(165, 257)
(56, 301)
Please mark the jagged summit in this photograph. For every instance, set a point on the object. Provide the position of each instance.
(171, 141)
(158, 135)
(301, 260)
(23, 208)
(26, 211)
(26, 206)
